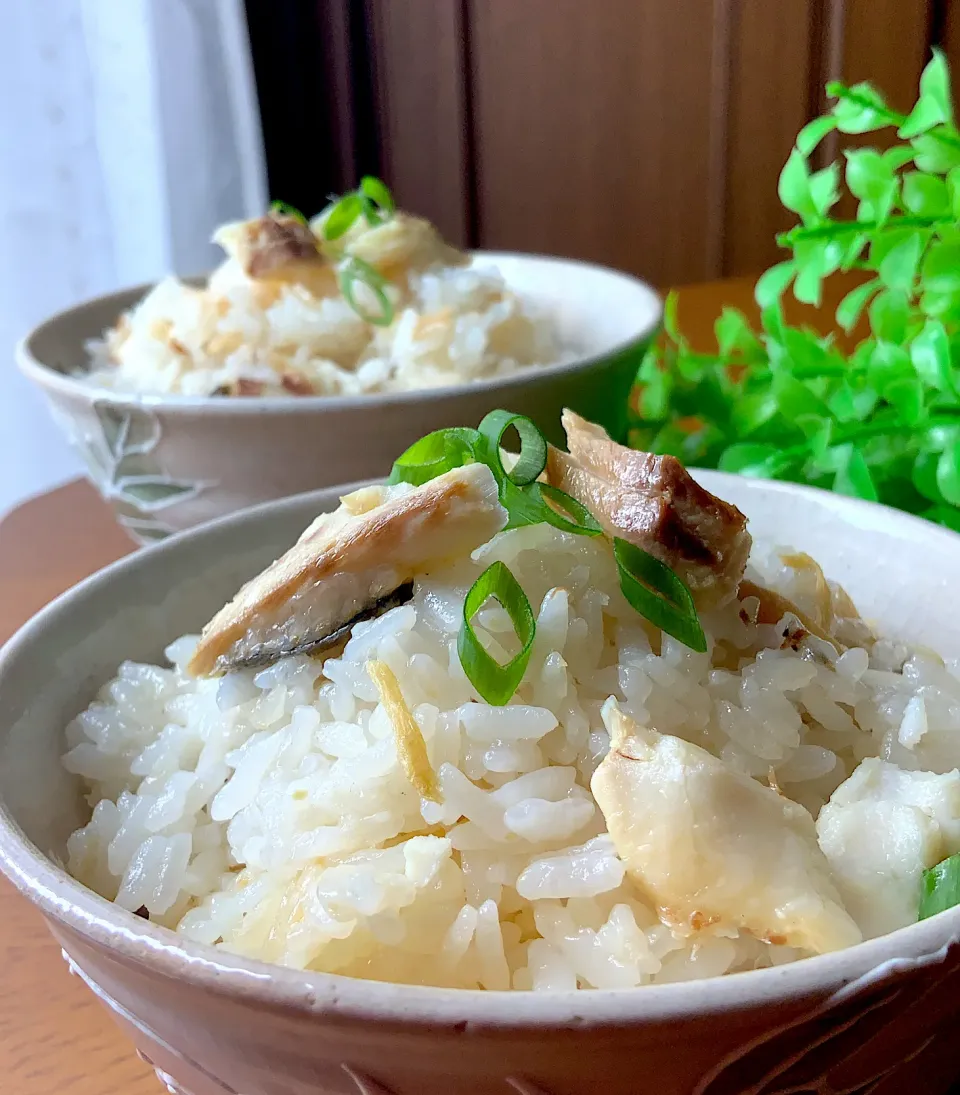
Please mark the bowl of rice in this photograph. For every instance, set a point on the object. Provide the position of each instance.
(549, 772)
(317, 351)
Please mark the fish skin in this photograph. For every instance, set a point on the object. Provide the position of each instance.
(653, 502)
(345, 562)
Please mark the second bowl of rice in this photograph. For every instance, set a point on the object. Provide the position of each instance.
(194, 398)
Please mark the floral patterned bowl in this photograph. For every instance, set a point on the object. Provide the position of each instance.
(878, 1018)
(166, 463)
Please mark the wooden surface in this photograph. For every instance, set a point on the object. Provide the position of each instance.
(54, 1037)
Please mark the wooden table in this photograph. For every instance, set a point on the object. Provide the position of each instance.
(54, 1037)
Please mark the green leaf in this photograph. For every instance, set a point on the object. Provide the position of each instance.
(935, 155)
(806, 353)
(853, 477)
(888, 362)
(850, 309)
(746, 459)
(948, 474)
(690, 446)
(753, 411)
(824, 188)
(948, 516)
(734, 333)
(794, 186)
(861, 108)
(899, 259)
(853, 249)
(848, 404)
(813, 133)
(953, 192)
(872, 179)
(815, 259)
(930, 354)
(934, 106)
(888, 315)
(656, 386)
(771, 285)
(926, 195)
(924, 476)
(941, 267)
(670, 316)
(795, 398)
(897, 156)
(771, 320)
(906, 394)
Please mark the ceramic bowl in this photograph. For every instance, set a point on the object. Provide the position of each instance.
(167, 463)
(863, 1020)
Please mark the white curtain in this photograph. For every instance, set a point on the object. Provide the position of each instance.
(128, 131)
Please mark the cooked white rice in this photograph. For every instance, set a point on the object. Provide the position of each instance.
(246, 336)
(267, 812)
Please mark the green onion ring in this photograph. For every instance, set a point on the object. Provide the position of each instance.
(530, 506)
(496, 683)
(438, 452)
(653, 589)
(376, 200)
(583, 523)
(533, 447)
(940, 888)
(355, 269)
(341, 217)
(284, 209)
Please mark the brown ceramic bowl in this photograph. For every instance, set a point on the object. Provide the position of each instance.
(167, 463)
(863, 1020)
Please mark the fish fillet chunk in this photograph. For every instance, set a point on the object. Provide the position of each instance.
(654, 502)
(882, 828)
(348, 561)
(711, 847)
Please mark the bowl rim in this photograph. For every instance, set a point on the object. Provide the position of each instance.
(66, 384)
(104, 924)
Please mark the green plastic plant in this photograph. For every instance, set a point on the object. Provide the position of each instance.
(882, 422)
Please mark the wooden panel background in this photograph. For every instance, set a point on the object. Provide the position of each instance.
(419, 63)
(646, 134)
(592, 130)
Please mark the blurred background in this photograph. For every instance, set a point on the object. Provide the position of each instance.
(638, 133)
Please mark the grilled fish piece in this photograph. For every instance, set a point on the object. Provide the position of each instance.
(653, 502)
(351, 564)
(711, 846)
(276, 248)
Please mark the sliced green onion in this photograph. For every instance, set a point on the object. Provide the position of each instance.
(340, 219)
(658, 594)
(583, 523)
(438, 452)
(356, 270)
(536, 504)
(533, 447)
(940, 888)
(286, 210)
(524, 505)
(376, 200)
(496, 683)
